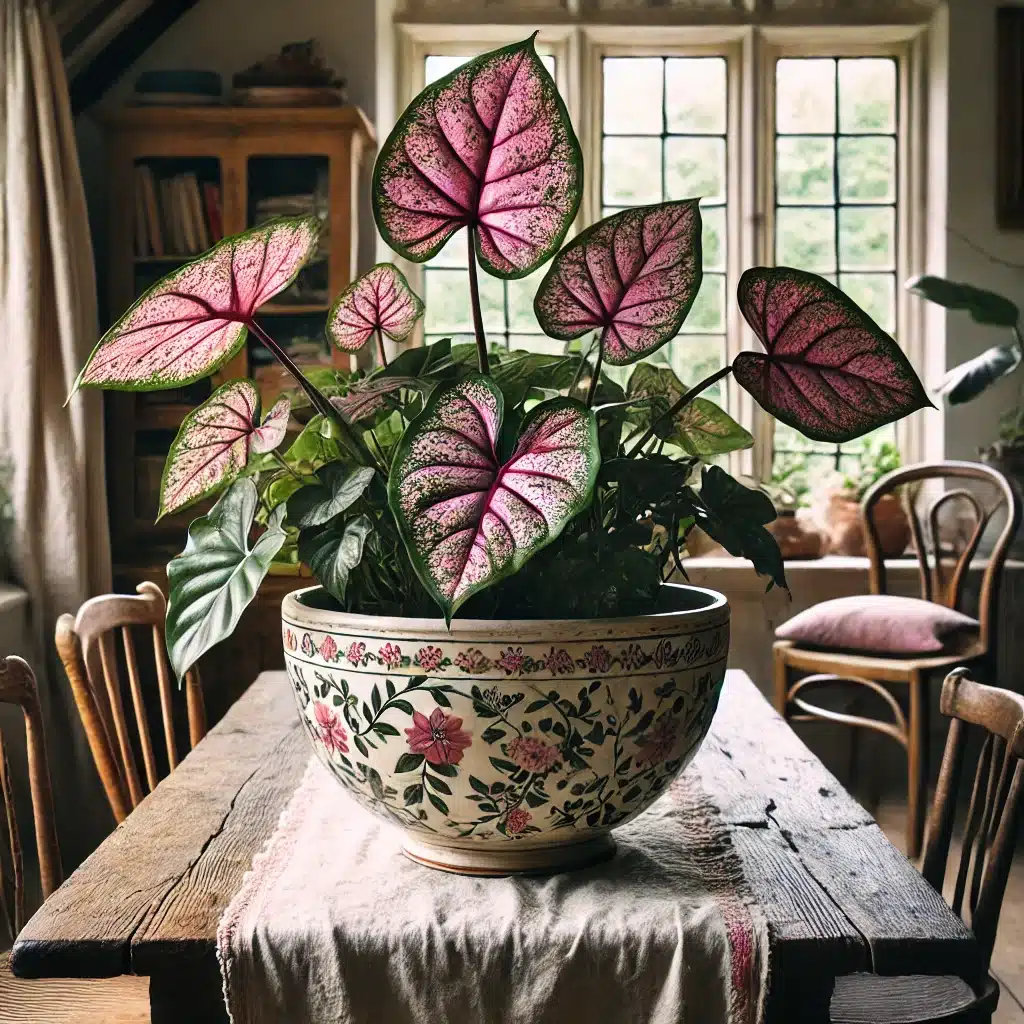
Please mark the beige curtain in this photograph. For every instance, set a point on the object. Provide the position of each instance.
(48, 323)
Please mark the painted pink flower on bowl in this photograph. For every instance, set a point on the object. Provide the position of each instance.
(355, 653)
(429, 658)
(512, 661)
(657, 744)
(533, 754)
(473, 661)
(291, 641)
(329, 649)
(559, 662)
(597, 659)
(390, 655)
(308, 647)
(516, 820)
(439, 739)
(332, 732)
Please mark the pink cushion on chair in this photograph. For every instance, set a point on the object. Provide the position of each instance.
(879, 624)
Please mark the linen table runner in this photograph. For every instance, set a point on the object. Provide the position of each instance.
(334, 924)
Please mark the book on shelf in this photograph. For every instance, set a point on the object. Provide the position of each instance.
(155, 236)
(214, 213)
(175, 215)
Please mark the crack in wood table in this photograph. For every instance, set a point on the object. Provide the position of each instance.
(837, 896)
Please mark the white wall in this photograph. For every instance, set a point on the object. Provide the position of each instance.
(971, 212)
(229, 35)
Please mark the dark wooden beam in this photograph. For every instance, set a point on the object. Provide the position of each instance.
(123, 50)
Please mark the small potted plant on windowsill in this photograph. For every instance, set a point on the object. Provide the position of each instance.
(492, 660)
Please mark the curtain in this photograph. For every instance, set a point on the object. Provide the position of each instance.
(60, 546)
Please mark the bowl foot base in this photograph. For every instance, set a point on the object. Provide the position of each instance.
(498, 860)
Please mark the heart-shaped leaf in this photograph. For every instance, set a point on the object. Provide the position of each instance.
(218, 574)
(632, 276)
(700, 428)
(380, 300)
(342, 484)
(368, 397)
(194, 320)
(829, 371)
(215, 441)
(489, 146)
(969, 379)
(467, 519)
(985, 307)
(333, 552)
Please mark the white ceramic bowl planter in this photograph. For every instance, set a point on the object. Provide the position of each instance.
(507, 746)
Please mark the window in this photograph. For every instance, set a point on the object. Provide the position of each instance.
(797, 142)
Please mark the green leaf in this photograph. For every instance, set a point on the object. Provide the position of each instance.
(333, 551)
(437, 802)
(441, 787)
(413, 794)
(342, 484)
(445, 769)
(970, 379)
(984, 307)
(408, 763)
(421, 361)
(314, 447)
(217, 574)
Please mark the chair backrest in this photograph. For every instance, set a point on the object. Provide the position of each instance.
(942, 565)
(18, 686)
(87, 647)
(990, 832)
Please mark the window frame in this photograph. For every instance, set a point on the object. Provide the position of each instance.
(750, 51)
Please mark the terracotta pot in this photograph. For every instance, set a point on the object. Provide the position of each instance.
(846, 532)
(797, 536)
(506, 747)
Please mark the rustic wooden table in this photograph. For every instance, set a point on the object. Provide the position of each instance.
(837, 895)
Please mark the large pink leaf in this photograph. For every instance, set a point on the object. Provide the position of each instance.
(632, 276)
(194, 320)
(469, 520)
(489, 146)
(215, 441)
(367, 397)
(829, 371)
(381, 300)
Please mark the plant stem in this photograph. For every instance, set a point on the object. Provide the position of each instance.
(583, 363)
(284, 465)
(592, 390)
(380, 347)
(474, 299)
(683, 401)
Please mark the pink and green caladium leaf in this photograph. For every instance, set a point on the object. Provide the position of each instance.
(380, 300)
(194, 320)
(467, 518)
(215, 441)
(632, 276)
(829, 370)
(491, 147)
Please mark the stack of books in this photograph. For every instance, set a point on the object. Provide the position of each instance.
(175, 215)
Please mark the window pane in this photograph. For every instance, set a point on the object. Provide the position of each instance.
(695, 357)
(867, 238)
(867, 94)
(804, 169)
(447, 299)
(695, 91)
(875, 294)
(867, 169)
(632, 171)
(707, 314)
(695, 167)
(806, 239)
(632, 90)
(520, 301)
(805, 96)
(713, 237)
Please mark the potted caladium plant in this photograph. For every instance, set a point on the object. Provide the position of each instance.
(494, 659)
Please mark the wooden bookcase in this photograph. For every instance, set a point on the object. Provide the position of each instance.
(253, 157)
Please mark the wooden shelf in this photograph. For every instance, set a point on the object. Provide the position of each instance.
(166, 259)
(160, 416)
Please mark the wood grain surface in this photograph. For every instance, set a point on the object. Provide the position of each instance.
(837, 896)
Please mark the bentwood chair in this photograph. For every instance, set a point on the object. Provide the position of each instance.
(87, 647)
(990, 833)
(123, 1000)
(902, 681)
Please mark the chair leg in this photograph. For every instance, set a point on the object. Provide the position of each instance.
(781, 683)
(917, 763)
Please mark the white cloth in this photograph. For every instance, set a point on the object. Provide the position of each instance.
(334, 924)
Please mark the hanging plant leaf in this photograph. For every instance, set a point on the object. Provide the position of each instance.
(194, 320)
(970, 379)
(334, 551)
(985, 307)
(632, 276)
(274, 427)
(467, 519)
(380, 300)
(700, 428)
(829, 371)
(368, 397)
(218, 574)
(342, 484)
(489, 146)
(215, 441)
